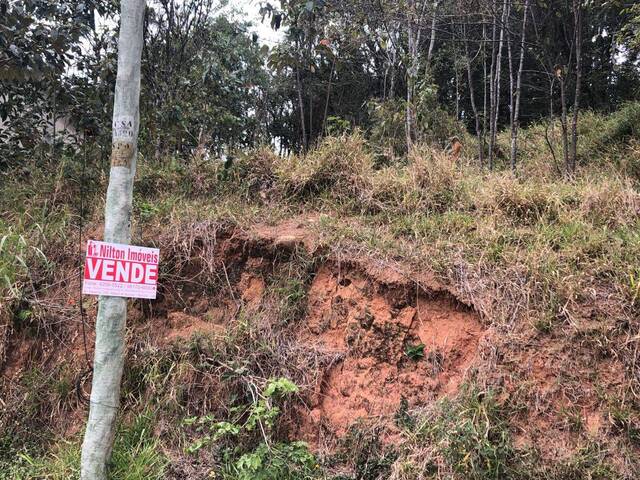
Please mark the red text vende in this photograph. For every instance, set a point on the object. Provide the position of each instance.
(120, 271)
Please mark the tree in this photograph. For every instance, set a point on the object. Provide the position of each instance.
(515, 118)
(112, 311)
(204, 79)
(39, 39)
(496, 79)
(577, 25)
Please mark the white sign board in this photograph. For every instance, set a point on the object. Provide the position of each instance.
(116, 270)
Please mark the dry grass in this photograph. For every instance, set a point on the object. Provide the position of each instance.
(545, 261)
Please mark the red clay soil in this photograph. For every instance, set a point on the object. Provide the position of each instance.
(370, 323)
(364, 312)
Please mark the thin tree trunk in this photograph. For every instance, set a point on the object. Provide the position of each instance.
(496, 88)
(432, 40)
(112, 311)
(305, 144)
(326, 103)
(412, 53)
(457, 74)
(563, 120)
(392, 86)
(484, 91)
(492, 84)
(472, 96)
(310, 119)
(577, 13)
(516, 112)
(512, 83)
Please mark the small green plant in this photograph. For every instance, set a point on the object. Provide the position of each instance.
(282, 461)
(415, 352)
(624, 420)
(572, 419)
(147, 210)
(268, 460)
(292, 294)
(403, 417)
(337, 125)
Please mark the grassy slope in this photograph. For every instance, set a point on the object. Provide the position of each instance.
(550, 264)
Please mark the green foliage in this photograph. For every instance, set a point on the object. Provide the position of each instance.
(434, 124)
(215, 85)
(387, 130)
(279, 387)
(282, 461)
(630, 32)
(337, 126)
(471, 435)
(38, 40)
(268, 460)
(415, 352)
(136, 456)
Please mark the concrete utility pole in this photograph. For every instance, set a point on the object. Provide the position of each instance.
(112, 311)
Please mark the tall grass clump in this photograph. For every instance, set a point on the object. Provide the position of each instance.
(430, 182)
(607, 144)
(136, 456)
(340, 165)
(465, 437)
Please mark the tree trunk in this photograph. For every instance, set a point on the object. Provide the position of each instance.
(310, 119)
(457, 76)
(577, 13)
(392, 87)
(326, 103)
(412, 54)
(512, 83)
(484, 91)
(305, 144)
(472, 96)
(432, 40)
(516, 110)
(563, 120)
(112, 311)
(496, 88)
(492, 83)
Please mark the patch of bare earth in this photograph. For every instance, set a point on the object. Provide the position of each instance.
(365, 316)
(370, 322)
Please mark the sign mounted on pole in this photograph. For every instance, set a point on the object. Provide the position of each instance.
(116, 270)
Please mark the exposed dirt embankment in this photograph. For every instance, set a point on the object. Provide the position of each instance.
(369, 340)
(392, 335)
(387, 336)
(398, 340)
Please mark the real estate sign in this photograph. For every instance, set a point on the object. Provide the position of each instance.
(117, 270)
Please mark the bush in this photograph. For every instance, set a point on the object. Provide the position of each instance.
(342, 165)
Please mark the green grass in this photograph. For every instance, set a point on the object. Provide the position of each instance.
(535, 250)
(136, 456)
(470, 436)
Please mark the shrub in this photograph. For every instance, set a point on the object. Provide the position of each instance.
(267, 461)
(342, 165)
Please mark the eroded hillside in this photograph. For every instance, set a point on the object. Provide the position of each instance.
(414, 321)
